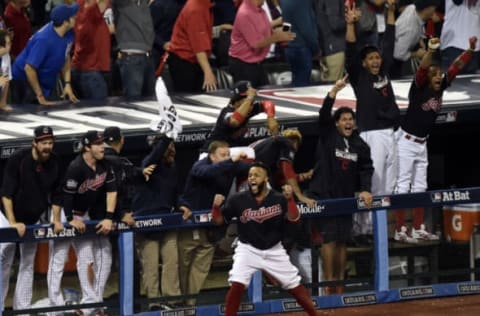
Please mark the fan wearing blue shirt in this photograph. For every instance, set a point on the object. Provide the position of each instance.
(46, 54)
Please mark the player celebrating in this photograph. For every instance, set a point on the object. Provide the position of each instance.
(262, 215)
(425, 102)
(377, 111)
(232, 122)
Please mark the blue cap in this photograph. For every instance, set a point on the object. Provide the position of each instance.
(63, 12)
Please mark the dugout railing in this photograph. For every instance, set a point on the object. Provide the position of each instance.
(256, 304)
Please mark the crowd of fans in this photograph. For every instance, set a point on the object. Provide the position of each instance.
(106, 48)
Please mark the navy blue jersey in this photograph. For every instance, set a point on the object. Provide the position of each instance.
(272, 151)
(32, 185)
(223, 131)
(376, 105)
(85, 189)
(260, 224)
(423, 107)
(343, 165)
(127, 176)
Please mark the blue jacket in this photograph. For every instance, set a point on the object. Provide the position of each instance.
(207, 179)
(160, 193)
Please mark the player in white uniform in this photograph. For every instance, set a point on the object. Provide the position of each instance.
(425, 102)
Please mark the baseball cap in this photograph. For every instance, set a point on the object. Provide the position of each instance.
(62, 12)
(240, 90)
(92, 138)
(112, 134)
(42, 132)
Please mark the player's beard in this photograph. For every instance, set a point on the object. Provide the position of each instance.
(260, 188)
(44, 154)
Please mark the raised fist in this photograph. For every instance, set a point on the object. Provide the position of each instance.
(218, 199)
(433, 43)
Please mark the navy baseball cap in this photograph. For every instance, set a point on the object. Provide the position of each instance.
(42, 132)
(240, 90)
(112, 134)
(92, 138)
(62, 12)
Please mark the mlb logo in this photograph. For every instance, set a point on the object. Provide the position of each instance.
(39, 232)
(437, 197)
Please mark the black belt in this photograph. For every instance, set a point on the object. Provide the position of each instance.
(415, 139)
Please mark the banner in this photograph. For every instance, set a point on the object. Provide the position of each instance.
(168, 122)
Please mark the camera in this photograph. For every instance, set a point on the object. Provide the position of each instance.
(286, 27)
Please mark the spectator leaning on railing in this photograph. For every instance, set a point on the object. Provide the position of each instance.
(46, 55)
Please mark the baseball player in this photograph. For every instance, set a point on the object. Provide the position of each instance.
(31, 182)
(278, 153)
(377, 111)
(425, 102)
(343, 166)
(262, 214)
(232, 122)
(89, 193)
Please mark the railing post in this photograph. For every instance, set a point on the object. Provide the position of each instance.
(126, 253)
(255, 288)
(380, 237)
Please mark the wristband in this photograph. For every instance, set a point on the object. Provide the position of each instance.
(109, 216)
(268, 108)
(293, 212)
(238, 116)
(66, 82)
(216, 213)
(433, 46)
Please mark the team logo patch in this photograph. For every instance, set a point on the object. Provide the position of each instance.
(71, 184)
(262, 214)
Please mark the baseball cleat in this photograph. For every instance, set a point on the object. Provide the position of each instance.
(402, 236)
(423, 234)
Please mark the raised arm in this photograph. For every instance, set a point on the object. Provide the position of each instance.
(462, 60)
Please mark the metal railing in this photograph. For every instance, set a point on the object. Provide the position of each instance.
(381, 293)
